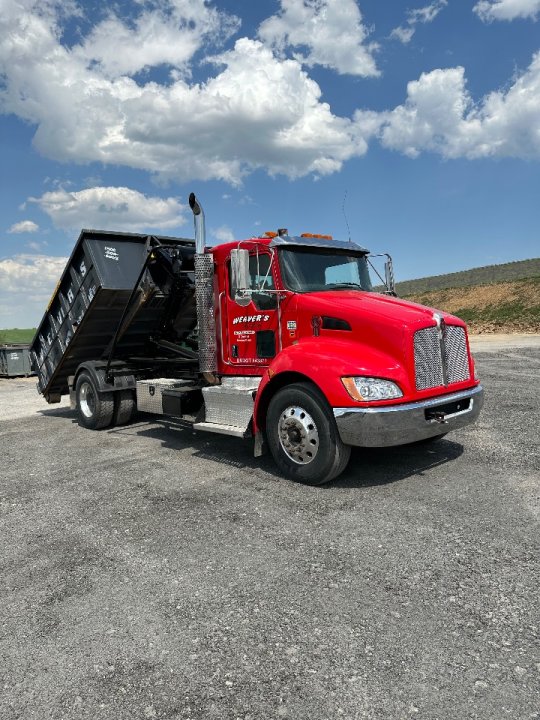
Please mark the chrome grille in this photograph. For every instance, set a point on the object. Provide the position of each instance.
(434, 359)
(457, 360)
(427, 359)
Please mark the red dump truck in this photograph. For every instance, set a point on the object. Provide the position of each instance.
(278, 338)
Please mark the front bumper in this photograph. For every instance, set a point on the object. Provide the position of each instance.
(401, 424)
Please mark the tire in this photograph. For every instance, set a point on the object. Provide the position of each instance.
(303, 437)
(94, 409)
(124, 406)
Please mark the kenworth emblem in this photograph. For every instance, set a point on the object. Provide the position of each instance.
(441, 332)
(441, 325)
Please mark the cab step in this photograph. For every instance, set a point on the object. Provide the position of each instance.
(221, 429)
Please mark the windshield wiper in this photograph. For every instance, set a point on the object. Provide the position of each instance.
(344, 285)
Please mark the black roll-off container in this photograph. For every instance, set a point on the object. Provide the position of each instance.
(90, 301)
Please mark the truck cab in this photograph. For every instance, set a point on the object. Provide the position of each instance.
(306, 323)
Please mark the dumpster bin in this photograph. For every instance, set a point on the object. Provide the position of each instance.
(15, 361)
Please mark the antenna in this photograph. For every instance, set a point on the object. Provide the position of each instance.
(345, 215)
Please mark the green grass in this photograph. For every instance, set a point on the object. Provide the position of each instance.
(504, 314)
(17, 335)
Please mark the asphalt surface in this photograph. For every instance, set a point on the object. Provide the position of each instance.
(149, 572)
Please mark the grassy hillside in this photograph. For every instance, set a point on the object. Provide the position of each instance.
(498, 307)
(476, 276)
(15, 335)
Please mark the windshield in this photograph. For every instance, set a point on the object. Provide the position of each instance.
(308, 270)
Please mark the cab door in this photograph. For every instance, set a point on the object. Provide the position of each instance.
(253, 329)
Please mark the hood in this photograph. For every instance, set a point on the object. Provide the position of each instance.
(359, 307)
(378, 322)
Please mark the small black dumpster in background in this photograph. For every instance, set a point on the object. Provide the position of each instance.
(15, 361)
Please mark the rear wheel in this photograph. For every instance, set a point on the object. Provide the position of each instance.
(303, 437)
(124, 406)
(94, 409)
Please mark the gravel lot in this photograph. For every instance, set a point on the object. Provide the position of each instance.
(149, 572)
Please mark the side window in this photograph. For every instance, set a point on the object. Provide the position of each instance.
(262, 281)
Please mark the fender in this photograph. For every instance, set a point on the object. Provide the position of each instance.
(324, 362)
(96, 369)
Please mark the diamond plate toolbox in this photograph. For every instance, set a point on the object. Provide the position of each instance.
(232, 402)
(149, 393)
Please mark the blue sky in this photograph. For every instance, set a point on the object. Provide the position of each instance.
(424, 115)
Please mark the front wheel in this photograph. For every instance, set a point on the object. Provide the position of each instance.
(303, 437)
(94, 409)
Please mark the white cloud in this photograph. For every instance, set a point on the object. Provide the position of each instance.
(91, 181)
(36, 246)
(440, 116)
(257, 111)
(332, 32)
(403, 33)
(25, 226)
(489, 10)
(426, 14)
(32, 274)
(110, 208)
(169, 33)
(26, 285)
(223, 234)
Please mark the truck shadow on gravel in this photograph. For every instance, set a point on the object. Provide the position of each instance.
(62, 412)
(227, 450)
(368, 467)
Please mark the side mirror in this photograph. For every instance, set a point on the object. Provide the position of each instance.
(389, 276)
(240, 277)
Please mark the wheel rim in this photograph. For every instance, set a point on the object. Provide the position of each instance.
(298, 435)
(87, 400)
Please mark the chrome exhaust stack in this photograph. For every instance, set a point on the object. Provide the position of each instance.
(204, 295)
(200, 228)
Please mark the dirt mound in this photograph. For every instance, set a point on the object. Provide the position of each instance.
(505, 307)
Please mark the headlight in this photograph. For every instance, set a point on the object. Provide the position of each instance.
(364, 389)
